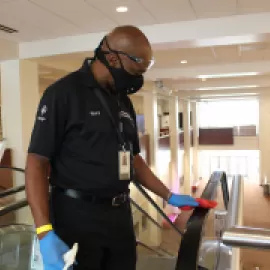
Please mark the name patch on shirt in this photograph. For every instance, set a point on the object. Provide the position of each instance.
(94, 113)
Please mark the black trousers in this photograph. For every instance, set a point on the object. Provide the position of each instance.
(104, 233)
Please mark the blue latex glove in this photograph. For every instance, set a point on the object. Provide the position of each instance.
(52, 249)
(178, 200)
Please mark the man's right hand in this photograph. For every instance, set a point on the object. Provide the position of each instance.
(52, 249)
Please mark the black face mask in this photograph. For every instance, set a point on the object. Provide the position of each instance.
(124, 82)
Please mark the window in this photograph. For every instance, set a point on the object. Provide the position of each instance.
(228, 113)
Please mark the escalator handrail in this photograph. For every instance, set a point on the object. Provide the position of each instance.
(190, 244)
(13, 207)
(12, 168)
(149, 248)
(139, 208)
(155, 205)
(11, 191)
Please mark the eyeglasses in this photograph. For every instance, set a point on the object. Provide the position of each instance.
(138, 60)
(133, 58)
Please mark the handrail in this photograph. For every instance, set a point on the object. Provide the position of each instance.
(13, 206)
(247, 238)
(149, 248)
(12, 168)
(166, 252)
(154, 204)
(145, 213)
(236, 235)
(11, 191)
(190, 244)
(235, 215)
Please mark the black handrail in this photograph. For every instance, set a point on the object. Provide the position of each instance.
(154, 204)
(13, 207)
(11, 191)
(145, 213)
(12, 168)
(190, 243)
(166, 252)
(149, 248)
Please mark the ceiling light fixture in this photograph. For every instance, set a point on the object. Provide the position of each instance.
(227, 75)
(183, 61)
(227, 87)
(122, 9)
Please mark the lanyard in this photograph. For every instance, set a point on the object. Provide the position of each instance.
(106, 107)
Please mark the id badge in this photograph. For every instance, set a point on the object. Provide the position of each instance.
(124, 165)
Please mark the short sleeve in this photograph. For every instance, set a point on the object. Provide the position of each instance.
(50, 122)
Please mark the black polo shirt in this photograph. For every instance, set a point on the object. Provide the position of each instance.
(75, 132)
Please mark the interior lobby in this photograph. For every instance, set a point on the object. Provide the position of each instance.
(202, 116)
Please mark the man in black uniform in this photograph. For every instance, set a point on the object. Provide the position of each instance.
(85, 135)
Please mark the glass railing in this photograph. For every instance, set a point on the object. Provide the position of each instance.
(16, 240)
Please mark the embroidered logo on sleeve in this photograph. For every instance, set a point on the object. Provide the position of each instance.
(43, 111)
(125, 115)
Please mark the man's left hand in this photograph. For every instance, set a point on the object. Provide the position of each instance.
(178, 200)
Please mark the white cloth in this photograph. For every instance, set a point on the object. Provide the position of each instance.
(70, 256)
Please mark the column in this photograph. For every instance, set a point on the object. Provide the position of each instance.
(174, 144)
(195, 128)
(187, 147)
(151, 126)
(264, 135)
(19, 99)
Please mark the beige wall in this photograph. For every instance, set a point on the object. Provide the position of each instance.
(137, 102)
(240, 143)
(264, 137)
(8, 49)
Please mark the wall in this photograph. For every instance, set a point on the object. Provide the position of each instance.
(240, 143)
(137, 103)
(264, 136)
(8, 50)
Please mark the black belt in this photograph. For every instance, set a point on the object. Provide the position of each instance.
(113, 201)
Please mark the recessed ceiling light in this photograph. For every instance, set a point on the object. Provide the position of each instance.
(227, 87)
(122, 9)
(183, 61)
(227, 75)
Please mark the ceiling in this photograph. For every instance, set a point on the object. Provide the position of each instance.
(45, 19)
(208, 68)
(48, 19)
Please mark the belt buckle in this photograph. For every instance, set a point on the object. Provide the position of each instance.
(122, 198)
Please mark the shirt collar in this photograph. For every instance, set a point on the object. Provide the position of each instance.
(87, 74)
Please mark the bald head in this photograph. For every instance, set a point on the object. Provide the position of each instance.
(123, 57)
(131, 41)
